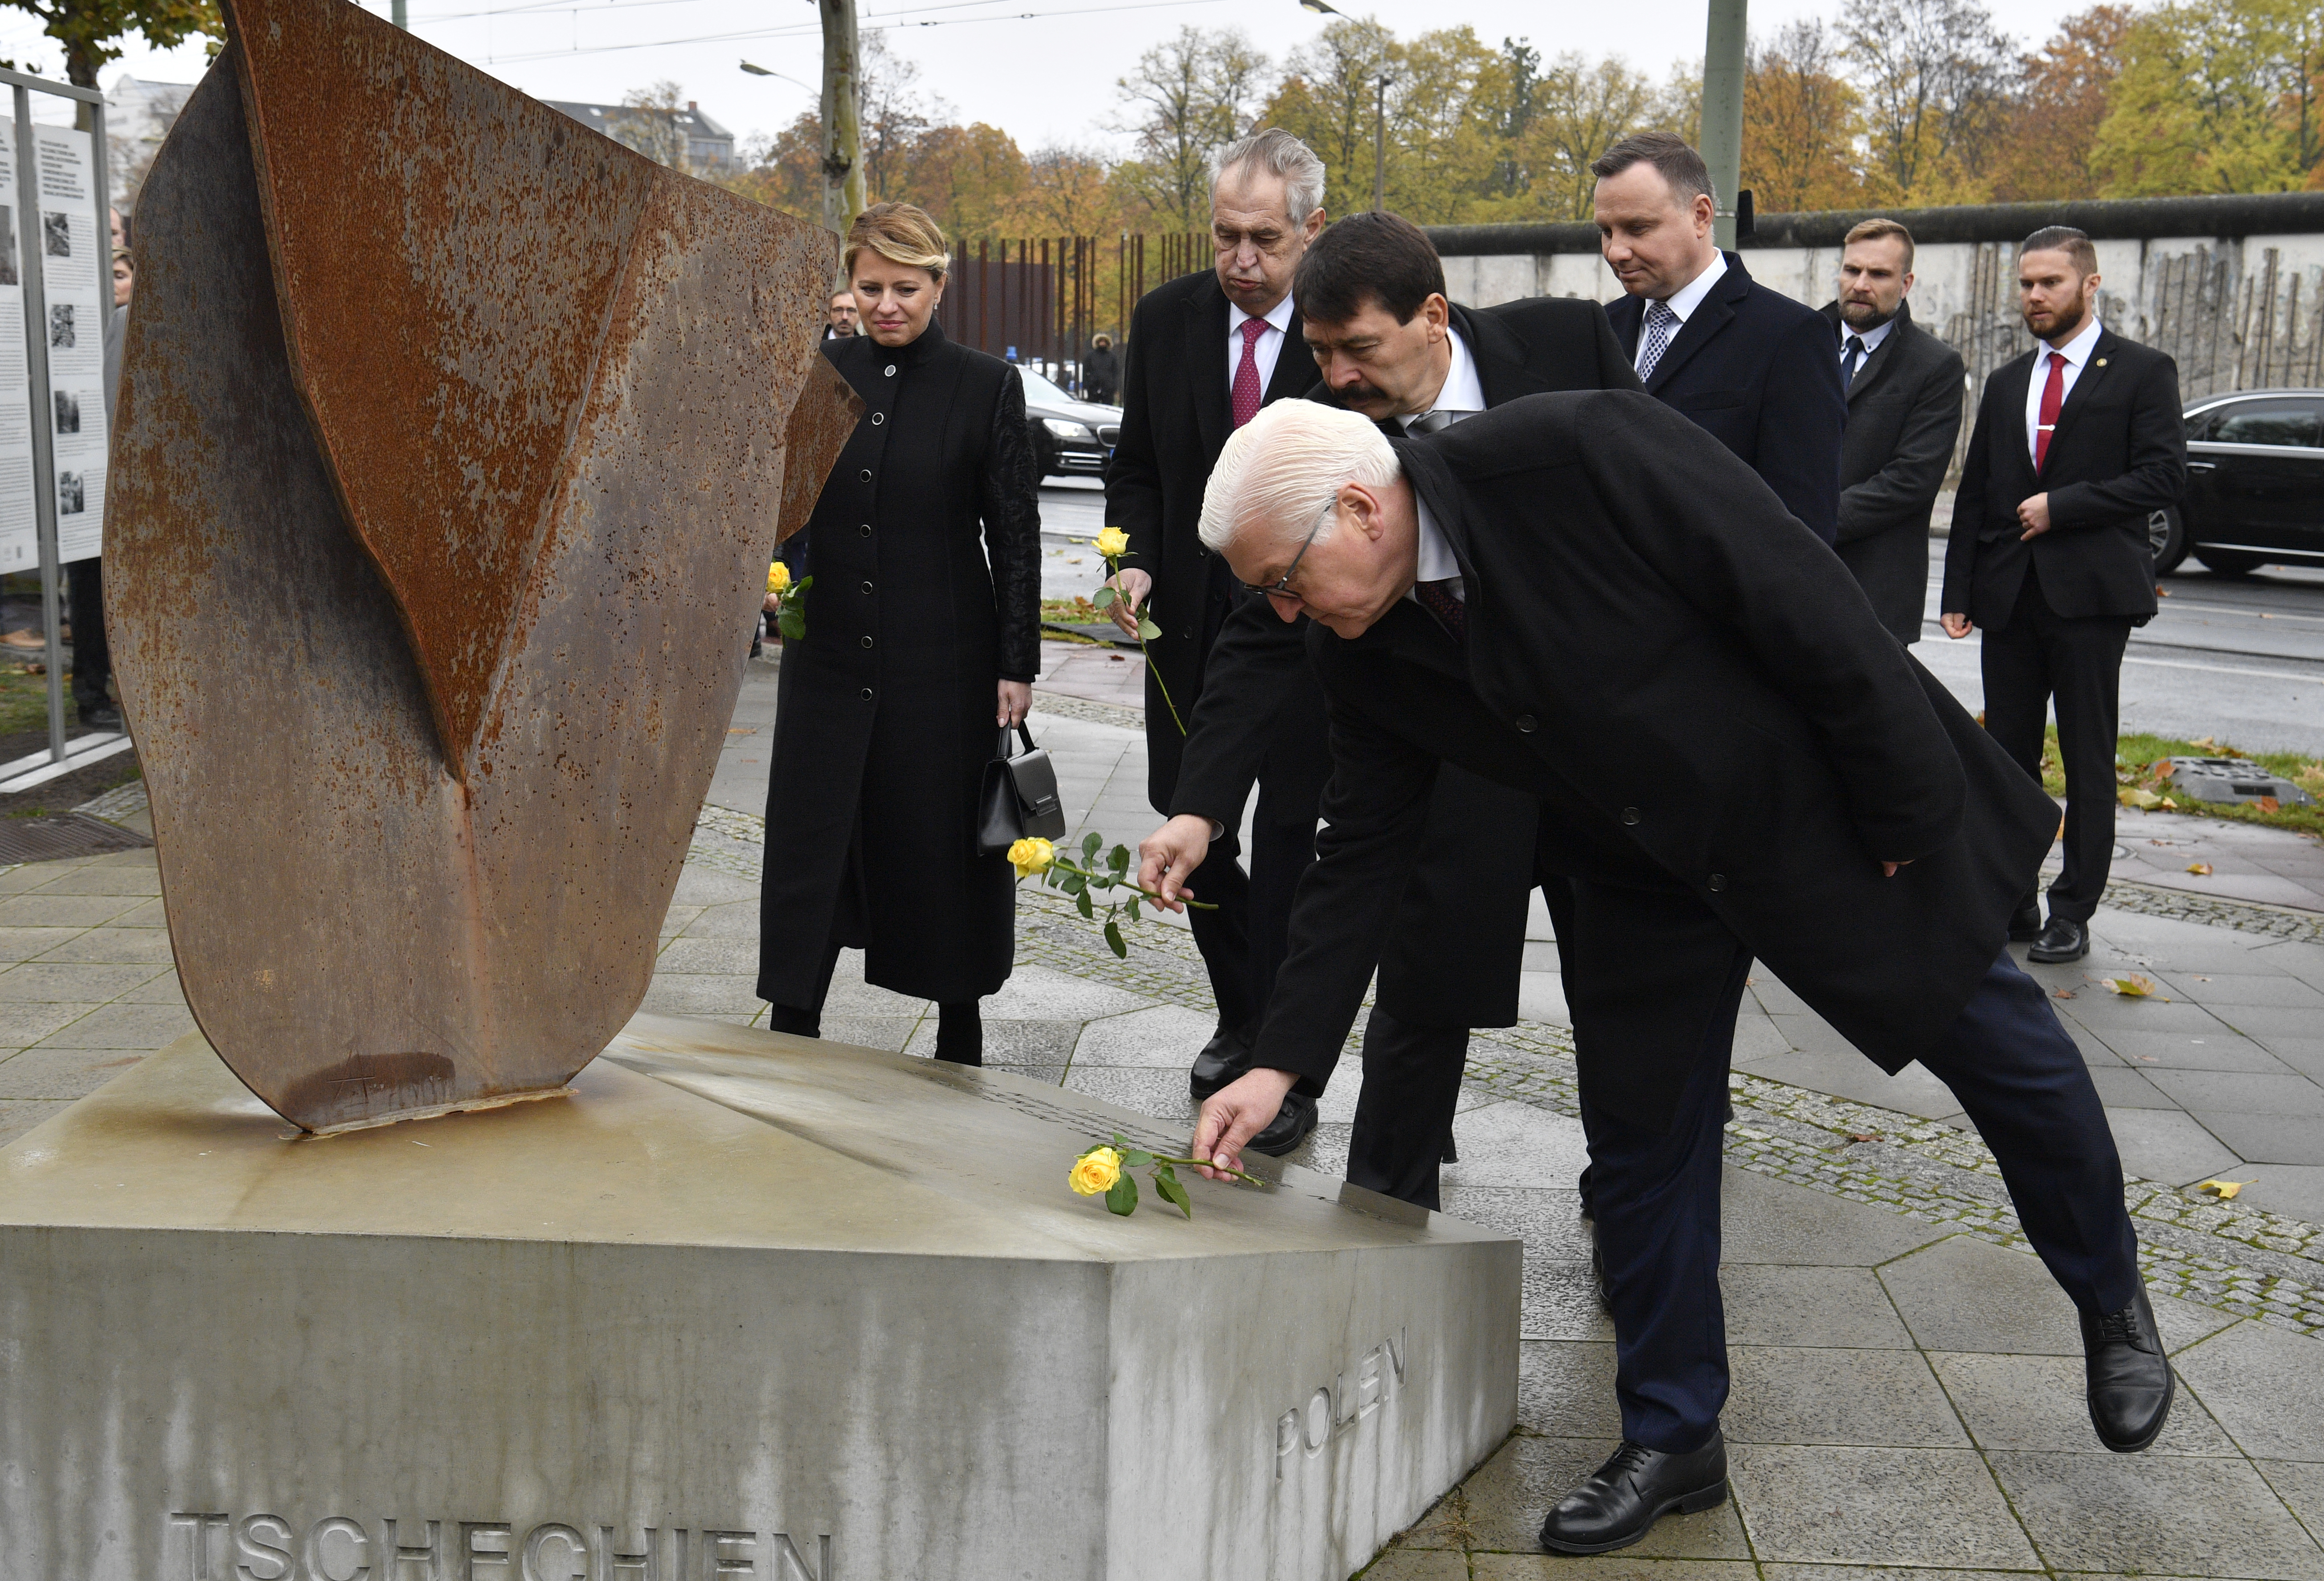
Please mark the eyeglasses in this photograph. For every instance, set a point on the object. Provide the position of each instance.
(1279, 588)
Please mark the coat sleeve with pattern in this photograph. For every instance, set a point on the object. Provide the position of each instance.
(1011, 508)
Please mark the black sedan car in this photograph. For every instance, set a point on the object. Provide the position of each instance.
(1070, 438)
(2254, 483)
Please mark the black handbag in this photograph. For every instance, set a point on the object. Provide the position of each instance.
(1019, 798)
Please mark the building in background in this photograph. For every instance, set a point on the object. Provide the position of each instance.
(138, 115)
(682, 139)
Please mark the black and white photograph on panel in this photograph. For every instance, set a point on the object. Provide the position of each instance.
(61, 325)
(67, 411)
(72, 499)
(7, 245)
(56, 233)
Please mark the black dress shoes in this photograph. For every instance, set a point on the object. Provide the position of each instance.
(2060, 941)
(2025, 922)
(1618, 1503)
(1222, 1059)
(1289, 1129)
(2130, 1381)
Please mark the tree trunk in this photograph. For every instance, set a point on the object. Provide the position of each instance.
(843, 123)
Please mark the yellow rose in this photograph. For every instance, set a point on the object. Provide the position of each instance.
(779, 577)
(1031, 856)
(1112, 541)
(1095, 1171)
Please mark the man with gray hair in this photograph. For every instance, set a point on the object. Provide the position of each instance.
(1584, 597)
(1206, 352)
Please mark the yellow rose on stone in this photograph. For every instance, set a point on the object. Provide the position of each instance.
(779, 577)
(1112, 541)
(1096, 1170)
(1030, 856)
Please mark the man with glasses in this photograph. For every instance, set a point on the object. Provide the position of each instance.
(1391, 347)
(1206, 352)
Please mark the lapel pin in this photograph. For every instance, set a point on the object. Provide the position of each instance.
(2101, 362)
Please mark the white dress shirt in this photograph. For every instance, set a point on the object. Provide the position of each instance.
(1871, 338)
(1686, 298)
(2076, 353)
(1462, 391)
(1437, 561)
(1268, 350)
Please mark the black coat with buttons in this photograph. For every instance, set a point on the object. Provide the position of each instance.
(1716, 722)
(927, 565)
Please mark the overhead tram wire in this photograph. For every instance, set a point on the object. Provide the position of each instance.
(812, 30)
(618, 7)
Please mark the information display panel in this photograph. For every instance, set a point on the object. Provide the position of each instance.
(77, 279)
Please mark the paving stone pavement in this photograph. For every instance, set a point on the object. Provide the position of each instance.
(1907, 1396)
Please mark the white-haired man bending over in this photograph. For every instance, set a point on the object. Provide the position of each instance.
(1584, 597)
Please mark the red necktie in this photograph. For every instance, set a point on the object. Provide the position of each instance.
(1246, 391)
(1439, 600)
(2053, 397)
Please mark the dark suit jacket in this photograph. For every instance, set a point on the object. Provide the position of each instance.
(1904, 417)
(2118, 453)
(1700, 687)
(1175, 421)
(1459, 964)
(1758, 371)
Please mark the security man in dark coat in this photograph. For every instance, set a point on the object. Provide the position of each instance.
(1750, 367)
(1391, 345)
(1904, 390)
(1206, 352)
(2049, 552)
(1576, 596)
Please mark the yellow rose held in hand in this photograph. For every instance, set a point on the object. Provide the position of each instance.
(1031, 856)
(779, 577)
(1112, 541)
(1095, 1171)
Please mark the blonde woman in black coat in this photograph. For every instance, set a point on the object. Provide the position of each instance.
(922, 637)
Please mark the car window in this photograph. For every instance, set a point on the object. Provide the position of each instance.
(1039, 389)
(2280, 421)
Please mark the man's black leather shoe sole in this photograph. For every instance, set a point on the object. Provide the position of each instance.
(1289, 1129)
(2130, 1381)
(2025, 923)
(1222, 1059)
(1619, 1503)
(2060, 941)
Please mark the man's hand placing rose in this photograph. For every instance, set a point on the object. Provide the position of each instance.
(1235, 1114)
(1169, 854)
(1133, 585)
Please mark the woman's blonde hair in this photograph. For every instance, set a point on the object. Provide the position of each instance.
(900, 232)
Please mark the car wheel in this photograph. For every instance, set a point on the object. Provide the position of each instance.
(2227, 564)
(2166, 535)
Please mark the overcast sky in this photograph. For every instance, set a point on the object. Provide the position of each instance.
(1044, 80)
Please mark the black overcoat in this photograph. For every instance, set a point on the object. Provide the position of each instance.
(1760, 373)
(1456, 956)
(2118, 453)
(1904, 417)
(884, 719)
(1701, 691)
(1175, 420)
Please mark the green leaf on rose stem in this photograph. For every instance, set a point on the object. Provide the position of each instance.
(1113, 937)
(1136, 1159)
(1146, 630)
(1121, 1143)
(1171, 1189)
(1119, 859)
(1082, 903)
(1090, 843)
(1121, 1197)
(1102, 599)
(791, 624)
(1133, 908)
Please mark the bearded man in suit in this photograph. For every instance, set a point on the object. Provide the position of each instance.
(1581, 596)
(2049, 552)
(1206, 352)
(1391, 347)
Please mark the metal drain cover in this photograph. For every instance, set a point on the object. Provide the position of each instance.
(60, 834)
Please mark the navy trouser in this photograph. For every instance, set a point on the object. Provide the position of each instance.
(1656, 1195)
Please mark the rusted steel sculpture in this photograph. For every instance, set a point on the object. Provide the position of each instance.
(454, 440)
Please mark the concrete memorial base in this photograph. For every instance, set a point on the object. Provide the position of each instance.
(739, 1305)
